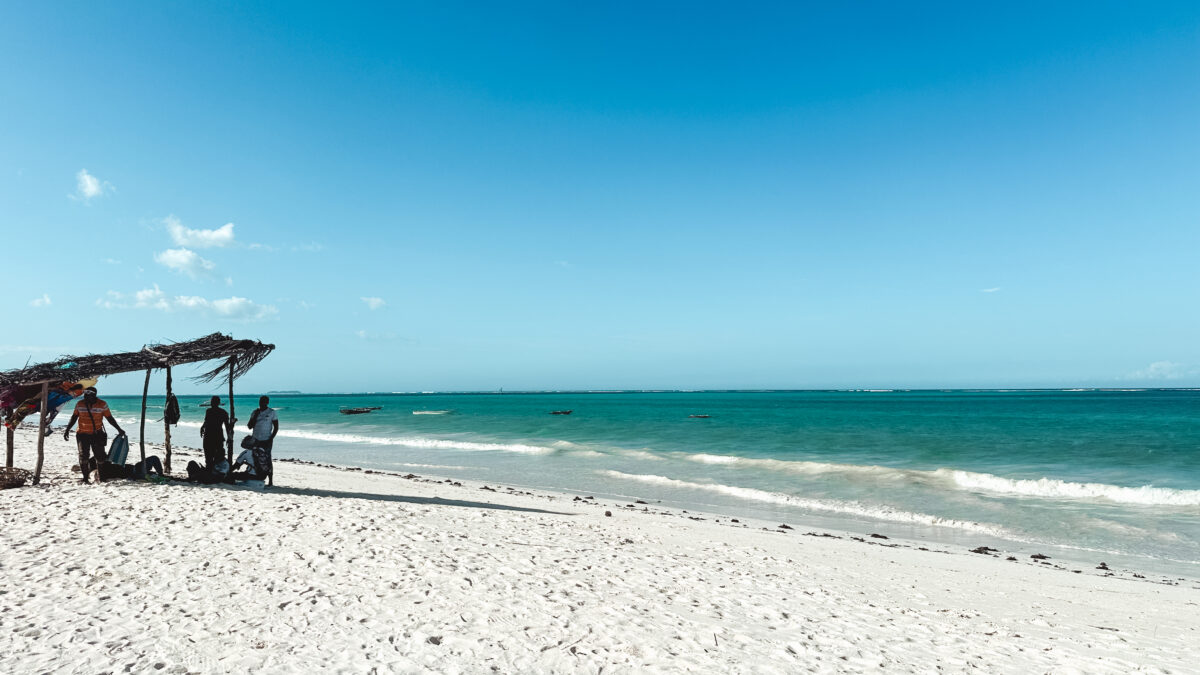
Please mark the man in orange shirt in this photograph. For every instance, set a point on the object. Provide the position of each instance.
(91, 439)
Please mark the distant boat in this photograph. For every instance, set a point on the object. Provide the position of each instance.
(432, 412)
(359, 411)
(700, 417)
(561, 412)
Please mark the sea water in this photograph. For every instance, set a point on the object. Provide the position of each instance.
(1088, 475)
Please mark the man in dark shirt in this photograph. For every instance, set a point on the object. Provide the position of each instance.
(216, 424)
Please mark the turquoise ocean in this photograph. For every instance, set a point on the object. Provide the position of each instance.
(1085, 475)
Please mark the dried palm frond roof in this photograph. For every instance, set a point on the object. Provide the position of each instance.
(241, 354)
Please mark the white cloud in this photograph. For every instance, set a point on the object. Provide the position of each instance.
(373, 336)
(235, 308)
(562, 263)
(186, 236)
(185, 261)
(88, 186)
(1163, 370)
(311, 247)
(374, 303)
(43, 301)
(112, 261)
(989, 290)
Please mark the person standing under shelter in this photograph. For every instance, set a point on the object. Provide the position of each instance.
(91, 412)
(264, 425)
(216, 423)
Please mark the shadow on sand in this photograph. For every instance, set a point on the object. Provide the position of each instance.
(403, 499)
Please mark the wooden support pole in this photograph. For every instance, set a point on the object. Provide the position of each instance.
(232, 419)
(167, 427)
(37, 472)
(8, 444)
(145, 392)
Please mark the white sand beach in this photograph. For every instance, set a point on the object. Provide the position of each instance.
(354, 571)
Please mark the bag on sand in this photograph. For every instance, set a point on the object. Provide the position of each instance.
(119, 450)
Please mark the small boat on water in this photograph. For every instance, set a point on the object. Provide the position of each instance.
(699, 417)
(561, 412)
(359, 411)
(432, 412)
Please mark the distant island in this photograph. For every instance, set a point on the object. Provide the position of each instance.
(285, 391)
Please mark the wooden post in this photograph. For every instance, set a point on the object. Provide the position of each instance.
(37, 472)
(167, 426)
(145, 391)
(8, 454)
(232, 420)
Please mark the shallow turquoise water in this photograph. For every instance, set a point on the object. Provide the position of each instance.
(1099, 473)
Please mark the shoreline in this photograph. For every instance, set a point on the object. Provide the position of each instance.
(897, 523)
(359, 568)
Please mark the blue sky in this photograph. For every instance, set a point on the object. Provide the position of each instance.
(448, 196)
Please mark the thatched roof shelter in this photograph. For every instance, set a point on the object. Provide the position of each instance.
(236, 358)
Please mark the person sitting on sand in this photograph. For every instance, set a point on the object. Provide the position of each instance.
(152, 466)
(219, 473)
(91, 412)
(247, 460)
(264, 424)
(216, 424)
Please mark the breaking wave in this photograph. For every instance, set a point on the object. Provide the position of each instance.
(830, 506)
(1059, 489)
(406, 441)
(1045, 488)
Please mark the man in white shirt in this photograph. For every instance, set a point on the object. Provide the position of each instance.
(264, 425)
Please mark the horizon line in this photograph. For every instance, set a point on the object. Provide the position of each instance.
(863, 390)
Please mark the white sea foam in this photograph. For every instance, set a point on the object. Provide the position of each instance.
(406, 441)
(417, 442)
(808, 468)
(438, 466)
(641, 454)
(831, 506)
(1058, 489)
(1046, 488)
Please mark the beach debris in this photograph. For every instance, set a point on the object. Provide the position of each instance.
(1102, 566)
(734, 520)
(434, 639)
(1012, 558)
(489, 489)
(1039, 556)
(608, 514)
(877, 536)
(986, 550)
(641, 502)
(785, 526)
